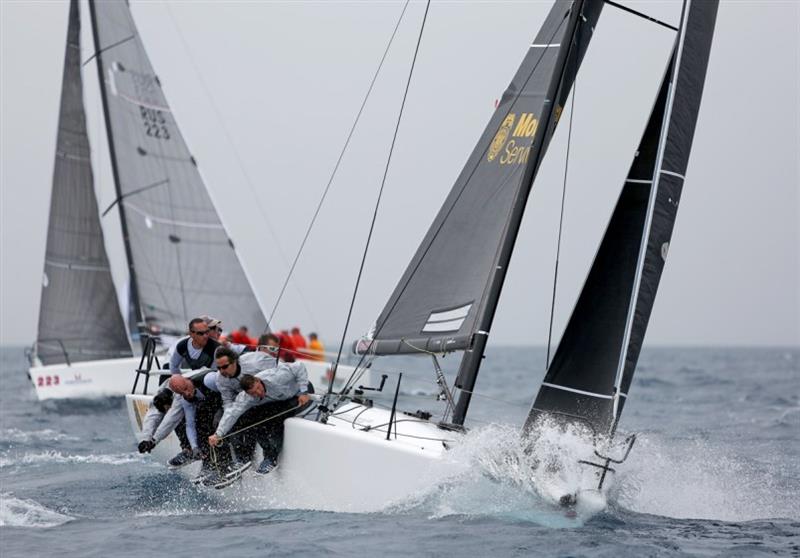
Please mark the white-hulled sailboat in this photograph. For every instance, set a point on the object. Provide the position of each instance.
(446, 299)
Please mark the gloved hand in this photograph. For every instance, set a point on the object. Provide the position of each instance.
(146, 446)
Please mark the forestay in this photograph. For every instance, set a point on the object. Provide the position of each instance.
(79, 317)
(181, 261)
(593, 366)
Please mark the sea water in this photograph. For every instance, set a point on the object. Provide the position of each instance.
(715, 471)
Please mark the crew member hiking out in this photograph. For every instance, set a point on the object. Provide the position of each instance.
(200, 400)
(267, 400)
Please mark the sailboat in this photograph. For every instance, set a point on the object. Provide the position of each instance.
(446, 299)
(87, 344)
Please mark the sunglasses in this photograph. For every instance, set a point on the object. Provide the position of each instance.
(224, 366)
(200, 332)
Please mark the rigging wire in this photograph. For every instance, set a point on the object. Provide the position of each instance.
(561, 223)
(240, 163)
(338, 162)
(378, 201)
(511, 106)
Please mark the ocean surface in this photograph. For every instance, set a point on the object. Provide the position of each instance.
(715, 472)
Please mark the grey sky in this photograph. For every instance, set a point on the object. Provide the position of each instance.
(266, 92)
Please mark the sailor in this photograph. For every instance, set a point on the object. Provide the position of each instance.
(159, 407)
(215, 333)
(278, 393)
(200, 400)
(195, 351)
(230, 367)
(316, 349)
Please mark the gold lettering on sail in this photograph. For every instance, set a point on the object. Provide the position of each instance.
(501, 136)
(527, 126)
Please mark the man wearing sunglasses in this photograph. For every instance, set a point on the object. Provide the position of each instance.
(278, 392)
(195, 351)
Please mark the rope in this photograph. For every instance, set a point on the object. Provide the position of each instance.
(452, 207)
(336, 166)
(378, 201)
(561, 218)
(240, 163)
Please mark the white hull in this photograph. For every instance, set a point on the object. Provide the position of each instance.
(114, 378)
(336, 466)
(87, 380)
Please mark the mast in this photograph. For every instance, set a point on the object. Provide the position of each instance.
(79, 315)
(137, 319)
(590, 375)
(471, 361)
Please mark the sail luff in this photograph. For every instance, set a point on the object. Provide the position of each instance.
(650, 205)
(136, 318)
(79, 316)
(183, 263)
(586, 380)
(582, 18)
(689, 81)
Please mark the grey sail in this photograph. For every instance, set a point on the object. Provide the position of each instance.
(79, 317)
(181, 261)
(451, 285)
(593, 366)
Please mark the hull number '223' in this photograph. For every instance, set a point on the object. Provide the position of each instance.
(43, 381)
(514, 138)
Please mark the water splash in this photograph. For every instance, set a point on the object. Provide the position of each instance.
(16, 512)
(47, 435)
(692, 478)
(52, 456)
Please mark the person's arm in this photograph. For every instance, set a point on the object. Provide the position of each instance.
(191, 428)
(171, 419)
(150, 422)
(236, 409)
(175, 362)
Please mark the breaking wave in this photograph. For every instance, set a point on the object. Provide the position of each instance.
(53, 456)
(16, 512)
(21, 436)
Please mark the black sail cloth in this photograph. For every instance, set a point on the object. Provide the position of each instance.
(592, 369)
(447, 289)
(79, 316)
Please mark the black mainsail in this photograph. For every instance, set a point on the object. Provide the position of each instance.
(174, 238)
(592, 369)
(79, 316)
(447, 297)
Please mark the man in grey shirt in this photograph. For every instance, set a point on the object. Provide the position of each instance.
(266, 400)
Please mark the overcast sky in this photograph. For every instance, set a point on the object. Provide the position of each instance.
(265, 93)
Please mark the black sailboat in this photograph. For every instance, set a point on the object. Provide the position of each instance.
(171, 231)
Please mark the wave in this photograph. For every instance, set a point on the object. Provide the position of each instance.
(49, 435)
(16, 512)
(53, 456)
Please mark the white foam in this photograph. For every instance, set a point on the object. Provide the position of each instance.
(493, 473)
(16, 512)
(694, 479)
(16, 435)
(53, 456)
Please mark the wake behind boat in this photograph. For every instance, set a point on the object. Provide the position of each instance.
(446, 300)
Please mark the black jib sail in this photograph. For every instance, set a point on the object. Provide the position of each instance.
(79, 317)
(593, 366)
(452, 282)
(174, 238)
